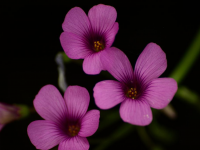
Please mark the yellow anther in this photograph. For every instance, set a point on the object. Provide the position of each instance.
(73, 130)
(132, 93)
(98, 46)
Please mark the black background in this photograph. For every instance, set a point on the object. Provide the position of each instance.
(30, 40)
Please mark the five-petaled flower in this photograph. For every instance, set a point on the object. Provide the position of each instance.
(136, 90)
(8, 113)
(86, 37)
(67, 121)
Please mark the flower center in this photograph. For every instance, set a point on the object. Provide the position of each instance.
(73, 130)
(98, 46)
(132, 93)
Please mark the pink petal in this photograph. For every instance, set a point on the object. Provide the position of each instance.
(108, 93)
(74, 46)
(74, 143)
(89, 123)
(102, 18)
(77, 100)
(77, 22)
(92, 64)
(160, 92)
(150, 64)
(117, 64)
(110, 35)
(49, 104)
(136, 112)
(44, 134)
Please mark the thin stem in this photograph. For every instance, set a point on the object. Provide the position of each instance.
(188, 60)
(146, 139)
(189, 96)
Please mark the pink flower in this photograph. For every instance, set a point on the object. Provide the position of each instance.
(8, 113)
(136, 90)
(67, 121)
(86, 37)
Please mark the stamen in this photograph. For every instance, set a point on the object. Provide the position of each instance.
(98, 46)
(73, 130)
(132, 93)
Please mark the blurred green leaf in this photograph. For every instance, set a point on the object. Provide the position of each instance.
(108, 117)
(188, 60)
(162, 133)
(187, 95)
(120, 133)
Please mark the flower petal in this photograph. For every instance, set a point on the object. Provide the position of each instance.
(110, 35)
(117, 64)
(108, 93)
(49, 104)
(77, 100)
(136, 112)
(102, 18)
(8, 113)
(160, 92)
(44, 134)
(89, 123)
(92, 64)
(77, 22)
(74, 143)
(74, 46)
(150, 64)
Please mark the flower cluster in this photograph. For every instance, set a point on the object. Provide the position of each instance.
(67, 121)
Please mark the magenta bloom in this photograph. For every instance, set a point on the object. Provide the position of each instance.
(136, 90)
(86, 37)
(8, 113)
(67, 121)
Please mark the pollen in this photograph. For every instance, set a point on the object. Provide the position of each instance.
(98, 46)
(132, 93)
(73, 130)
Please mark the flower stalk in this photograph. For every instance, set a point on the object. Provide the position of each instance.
(188, 60)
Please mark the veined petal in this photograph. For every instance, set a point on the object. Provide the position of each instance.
(160, 92)
(117, 64)
(89, 123)
(49, 104)
(108, 93)
(110, 35)
(92, 64)
(74, 46)
(102, 18)
(77, 22)
(44, 134)
(77, 100)
(136, 112)
(150, 64)
(74, 143)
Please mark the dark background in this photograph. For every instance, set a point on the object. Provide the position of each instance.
(30, 40)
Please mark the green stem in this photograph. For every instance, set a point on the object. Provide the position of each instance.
(188, 96)
(188, 60)
(146, 139)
